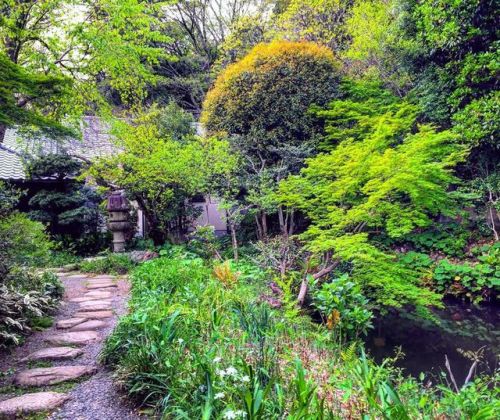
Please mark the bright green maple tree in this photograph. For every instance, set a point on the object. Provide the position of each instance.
(103, 49)
(383, 175)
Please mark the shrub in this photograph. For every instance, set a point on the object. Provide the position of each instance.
(472, 281)
(25, 300)
(115, 264)
(266, 95)
(68, 207)
(343, 307)
(22, 242)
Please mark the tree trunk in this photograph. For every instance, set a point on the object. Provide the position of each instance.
(234, 240)
(305, 283)
(282, 221)
(259, 228)
(291, 225)
(263, 218)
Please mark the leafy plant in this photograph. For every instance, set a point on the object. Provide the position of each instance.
(343, 307)
(472, 281)
(108, 264)
(225, 274)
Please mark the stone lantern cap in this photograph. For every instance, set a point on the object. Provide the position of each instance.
(117, 202)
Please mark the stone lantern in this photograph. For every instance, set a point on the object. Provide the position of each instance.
(118, 221)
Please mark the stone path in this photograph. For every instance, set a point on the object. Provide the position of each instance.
(55, 372)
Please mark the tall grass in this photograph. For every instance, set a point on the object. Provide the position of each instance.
(194, 347)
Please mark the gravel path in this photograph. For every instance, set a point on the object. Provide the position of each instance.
(95, 398)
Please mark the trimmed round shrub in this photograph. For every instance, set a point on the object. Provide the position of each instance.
(265, 98)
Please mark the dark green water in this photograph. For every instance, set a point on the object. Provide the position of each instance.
(425, 344)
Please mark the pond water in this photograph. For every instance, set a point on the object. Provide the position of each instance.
(425, 344)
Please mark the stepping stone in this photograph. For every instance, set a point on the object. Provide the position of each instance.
(94, 302)
(79, 338)
(98, 294)
(31, 403)
(95, 315)
(101, 286)
(95, 305)
(102, 277)
(89, 325)
(85, 299)
(77, 276)
(54, 353)
(51, 375)
(69, 323)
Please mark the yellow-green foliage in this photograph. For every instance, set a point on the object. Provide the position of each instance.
(386, 176)
(320, 21)
(269, 91)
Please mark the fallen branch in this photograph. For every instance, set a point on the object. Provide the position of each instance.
(305, 284)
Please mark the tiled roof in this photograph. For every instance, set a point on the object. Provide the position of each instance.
(11, 164)
(96, 142)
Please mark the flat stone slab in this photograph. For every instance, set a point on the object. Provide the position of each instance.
(54, 353)
(51, 375)
(101, 286)
(85, 299)
(95, 305)
(77, 276)
(98, 294)
(79, 338)
(31, 403)
(93, 324)
(69, 323)
(95, 315)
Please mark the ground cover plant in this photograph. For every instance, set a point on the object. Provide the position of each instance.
(116, 264)
(199, 343)
(27, 296)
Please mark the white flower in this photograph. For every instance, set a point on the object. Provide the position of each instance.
(217, 359)
(202, 388)
(231, 371)
(245, 378)
(219, 396)
(230, 414)
(220, 372)
(180, 341)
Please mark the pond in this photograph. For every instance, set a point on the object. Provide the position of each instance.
(461, 328)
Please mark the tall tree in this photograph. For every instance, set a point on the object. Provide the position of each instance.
(262, 103)
(37, 92)
(104, 47)
(384, 175)
(198, 30)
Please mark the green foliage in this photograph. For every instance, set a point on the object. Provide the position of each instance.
(68, 207)
(26, 299)
(105, 48)
(23, 242)
(193, 348)
(42, 90)
(344, 308)
(471, 281)
(159, 172)
(9, 197)
(450, 239)
(393, 178)
(264, 98)
(116, 264)
(321, 21)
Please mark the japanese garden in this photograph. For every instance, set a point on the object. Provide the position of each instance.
(249, 209)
